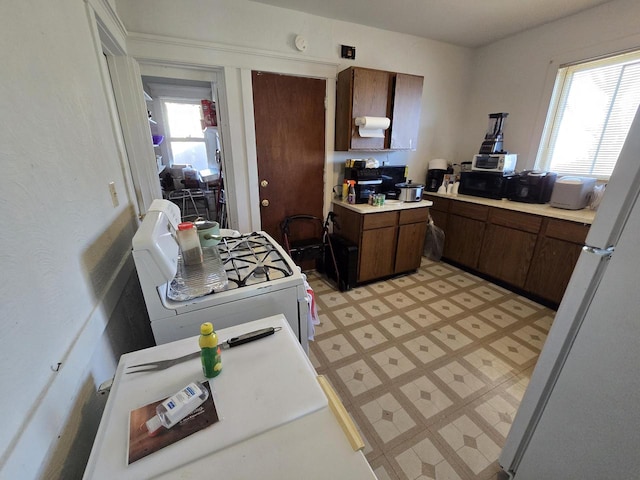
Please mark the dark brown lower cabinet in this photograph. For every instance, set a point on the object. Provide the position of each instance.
(388, 242)
(377, 253)
(534, 253)
(465, 230)
(555, 257)
(410, 243)
(508, 245)
(506, 254)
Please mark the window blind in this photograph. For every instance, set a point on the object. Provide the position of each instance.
(594, 111)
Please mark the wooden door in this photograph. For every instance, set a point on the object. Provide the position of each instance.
(290, 143)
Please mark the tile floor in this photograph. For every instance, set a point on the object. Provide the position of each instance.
(431, 366)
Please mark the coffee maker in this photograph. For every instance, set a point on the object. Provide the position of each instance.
(437, 169)
(493, 139)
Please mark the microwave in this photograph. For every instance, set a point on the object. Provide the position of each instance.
(364, 188)
(486, 184)
(494, 162)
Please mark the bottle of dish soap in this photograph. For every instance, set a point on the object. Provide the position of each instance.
(209, 351)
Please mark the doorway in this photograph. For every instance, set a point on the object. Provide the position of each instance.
(289, 117)
(187, 145)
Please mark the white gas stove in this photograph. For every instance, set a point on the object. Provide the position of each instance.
(254, 278)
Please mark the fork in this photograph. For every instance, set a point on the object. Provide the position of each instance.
(162, 364)
(232, 342)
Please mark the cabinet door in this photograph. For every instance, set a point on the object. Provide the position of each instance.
(410, 246)
(463, 240)
(555, 257)
(506, 254)
(377, 253)
(551, 268)
(371, 93)
(407, 103)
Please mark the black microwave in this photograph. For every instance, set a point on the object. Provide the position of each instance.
(365, 188)
(487, 185)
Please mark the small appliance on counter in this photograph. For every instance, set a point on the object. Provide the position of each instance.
(375, 180)
(572, 193)
(532, 186)
(493, 139)
(410, 192)
(496, 162)
(437, 169)
(391, 175)
(486, 184)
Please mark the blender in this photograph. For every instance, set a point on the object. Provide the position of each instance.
(493, 139)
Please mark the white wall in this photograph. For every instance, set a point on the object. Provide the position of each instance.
(517, 74)
(269, 32)
(70, 293)
(64, 247)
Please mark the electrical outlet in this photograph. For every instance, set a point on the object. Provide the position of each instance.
(114, 194)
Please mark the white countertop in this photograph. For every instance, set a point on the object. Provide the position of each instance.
(389, 206)
(267, 393)
(582, 216)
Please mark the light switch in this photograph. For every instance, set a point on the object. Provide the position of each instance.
(114, 194)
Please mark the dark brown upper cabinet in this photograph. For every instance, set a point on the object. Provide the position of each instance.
(375, 93)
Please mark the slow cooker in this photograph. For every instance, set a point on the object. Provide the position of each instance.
(410, 192)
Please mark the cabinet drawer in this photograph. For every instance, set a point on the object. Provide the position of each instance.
(414, 215)
(379, 220)
(470, 210)
(569, 231)
(440, 204)
(519, 221)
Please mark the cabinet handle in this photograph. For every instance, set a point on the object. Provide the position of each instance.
(265, 203)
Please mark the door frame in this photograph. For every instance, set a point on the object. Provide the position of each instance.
(329, 116)
(233, 66)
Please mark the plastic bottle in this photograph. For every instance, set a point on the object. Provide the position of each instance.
(210, 351)
(351, 198)
(189, 243)
(176, 407)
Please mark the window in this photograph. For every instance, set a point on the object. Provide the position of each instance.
(591, 112)
(185, 138)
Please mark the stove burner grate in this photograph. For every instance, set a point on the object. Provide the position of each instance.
(252, 259)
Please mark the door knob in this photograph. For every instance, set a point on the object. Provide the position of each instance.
(265, 203)
(264, 183)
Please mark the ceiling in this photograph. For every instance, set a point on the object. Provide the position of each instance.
(468, 23)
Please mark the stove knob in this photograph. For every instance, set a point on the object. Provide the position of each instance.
(265, 203)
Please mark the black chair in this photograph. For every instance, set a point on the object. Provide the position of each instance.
(306, 238)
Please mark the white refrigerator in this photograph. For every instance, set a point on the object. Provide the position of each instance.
(580, 415)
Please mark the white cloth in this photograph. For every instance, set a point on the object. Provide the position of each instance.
(312, 312)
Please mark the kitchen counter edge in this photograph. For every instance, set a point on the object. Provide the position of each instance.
(585, 215)
(389, 206)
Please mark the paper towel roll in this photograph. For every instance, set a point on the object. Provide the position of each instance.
(372, 126)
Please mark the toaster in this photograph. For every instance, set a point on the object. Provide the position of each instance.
(572, 193)
(533, 186)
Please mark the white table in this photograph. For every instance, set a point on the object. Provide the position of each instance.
(275, 419)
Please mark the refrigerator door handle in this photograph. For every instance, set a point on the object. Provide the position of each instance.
(602, 252)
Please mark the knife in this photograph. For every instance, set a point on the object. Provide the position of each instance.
(232, 342)
(248, 337)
